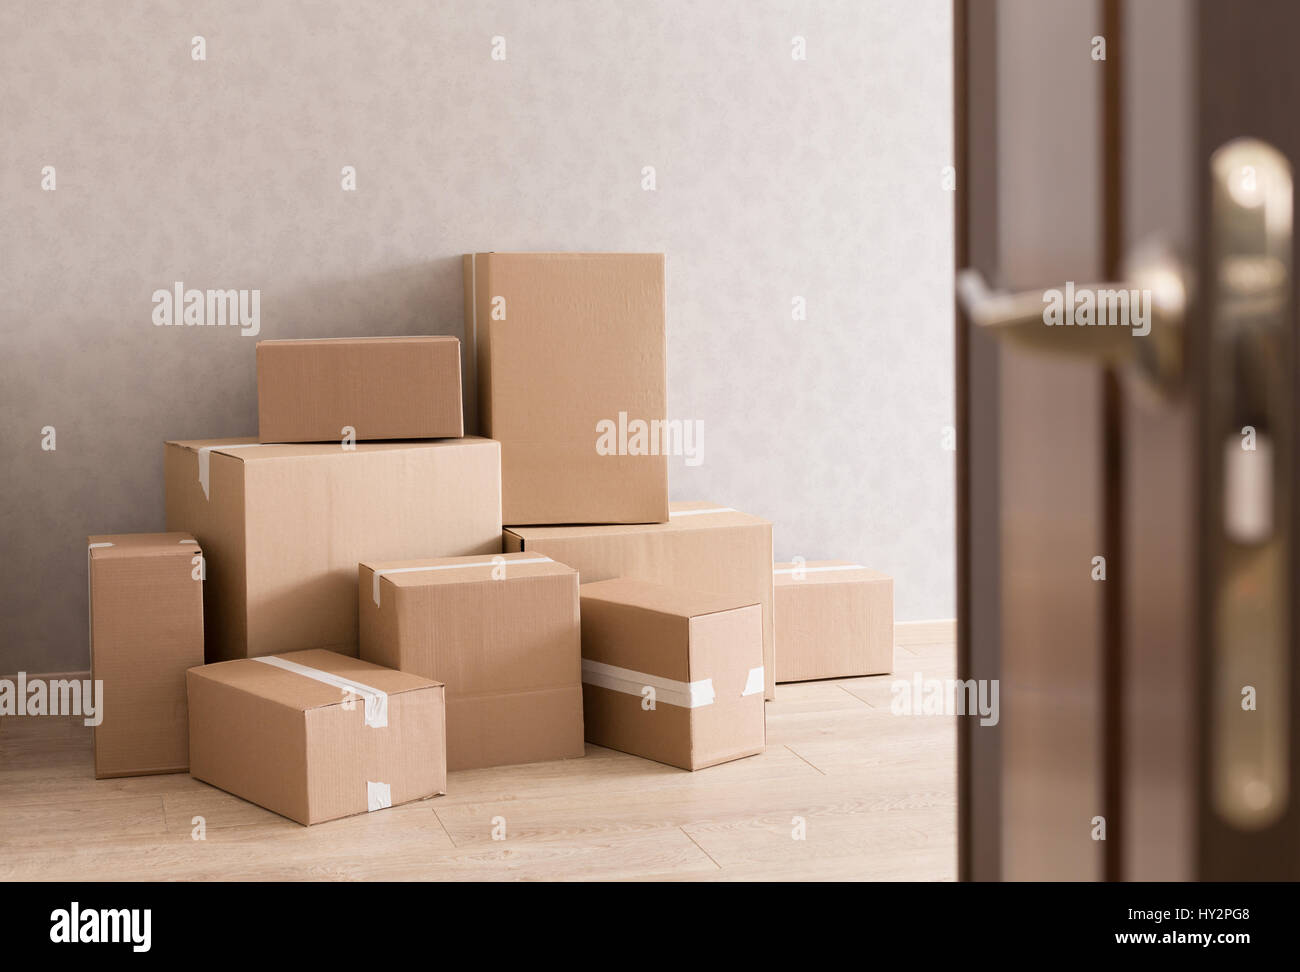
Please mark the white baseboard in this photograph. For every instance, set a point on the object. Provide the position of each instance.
(925, 632)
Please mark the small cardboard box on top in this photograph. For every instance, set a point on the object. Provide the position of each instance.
(834, 619)
(501, 632)
(670, 674)
(703, 547)
(283, 528)
(315, 735)
(146, 629)
(569, 345)
(379, 388)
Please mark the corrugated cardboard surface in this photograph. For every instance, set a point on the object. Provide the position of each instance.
(726, 553)
(383, 388)
(146, 629)
(686, 636)
(583, 339)
(833, 623)
(283, 528)
(503, 636)
(298, 747)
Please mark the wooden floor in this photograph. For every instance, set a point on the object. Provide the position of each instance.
(876, 793)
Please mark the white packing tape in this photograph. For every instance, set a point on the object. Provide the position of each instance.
(376, 700)
(817, 570)
(754, 683)
(205, 462)
(379, 796)
(712, 509)
(687, 695)
(478, 563)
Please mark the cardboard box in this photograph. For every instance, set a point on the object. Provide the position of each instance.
(671, 674)
(146, 629)
(702, 547)
(283, 528)
(502, 633)
(315, 735)
(566, 342)
(833, 619)
(380, 388)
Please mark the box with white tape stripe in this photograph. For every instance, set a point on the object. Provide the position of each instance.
(501, 632)
(704, 546)
(316, 735)
(283, 528)
(672, 674)
(834, 619)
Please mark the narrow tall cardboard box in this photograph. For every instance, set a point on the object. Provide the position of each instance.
(146, 629)
(283, 528)
(502, 633)
(379, 388)
(702, 547)
(315, 735)
(671, 674)
(834, 619)
(566, 342)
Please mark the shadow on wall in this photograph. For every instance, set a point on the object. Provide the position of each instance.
(113, 408)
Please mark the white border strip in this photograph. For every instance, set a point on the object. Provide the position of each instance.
(376, 701)
(205, 462)
(713, 509)
(479, 563)
(818, 570)
(687, 695)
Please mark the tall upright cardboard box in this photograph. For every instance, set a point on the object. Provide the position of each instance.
(670, 674)
(315, 735)
(146, 629)
(502, 633)
(284, 527)
(570, 346)
(378, 388)
(834, 619)
(702, 547)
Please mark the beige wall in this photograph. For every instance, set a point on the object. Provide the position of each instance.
(776, 178)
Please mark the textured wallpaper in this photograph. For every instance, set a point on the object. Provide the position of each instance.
(332, 160)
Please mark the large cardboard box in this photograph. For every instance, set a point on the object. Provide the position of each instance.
(379, 388)
(567, 345)
(146, 629)
(283, 528)
(315, 735)
(702, 547)
(833, 619)
(670, 674)
(502, 633)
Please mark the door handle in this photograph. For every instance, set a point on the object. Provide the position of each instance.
(1138, 320)
(1250, 416)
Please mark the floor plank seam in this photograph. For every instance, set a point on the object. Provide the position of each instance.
(858, 697)
(819, 770)
(702, 850)
(444, 829)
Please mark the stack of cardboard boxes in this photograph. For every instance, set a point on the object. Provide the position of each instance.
(367, 622)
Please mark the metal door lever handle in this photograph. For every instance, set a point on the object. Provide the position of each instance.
(1155, 277)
